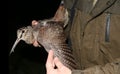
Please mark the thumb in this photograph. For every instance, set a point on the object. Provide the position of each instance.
(58, 63)
(49, 63)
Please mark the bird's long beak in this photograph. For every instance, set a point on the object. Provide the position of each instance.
(16, 42)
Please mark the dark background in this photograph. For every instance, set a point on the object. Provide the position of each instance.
(27, 59)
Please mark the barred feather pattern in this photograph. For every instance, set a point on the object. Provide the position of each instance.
(52, 37)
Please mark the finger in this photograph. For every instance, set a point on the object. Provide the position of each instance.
(58, 63)
(35, 44)
(49, 63)
(34, 23)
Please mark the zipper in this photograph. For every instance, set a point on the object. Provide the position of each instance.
(107, 29)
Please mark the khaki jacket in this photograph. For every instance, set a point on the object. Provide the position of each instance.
(95, 34)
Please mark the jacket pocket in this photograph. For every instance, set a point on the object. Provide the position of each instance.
(107, 28)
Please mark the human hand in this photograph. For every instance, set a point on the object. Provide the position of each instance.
(52, 62)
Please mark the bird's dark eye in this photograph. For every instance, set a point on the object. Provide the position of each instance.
(23, 31)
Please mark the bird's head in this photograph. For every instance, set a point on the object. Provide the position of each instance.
(25, 34)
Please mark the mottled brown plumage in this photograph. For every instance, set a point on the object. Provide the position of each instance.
(51, 36)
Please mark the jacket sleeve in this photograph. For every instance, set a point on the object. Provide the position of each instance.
(110, 68)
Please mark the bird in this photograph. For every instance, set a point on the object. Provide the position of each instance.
(49, 33)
